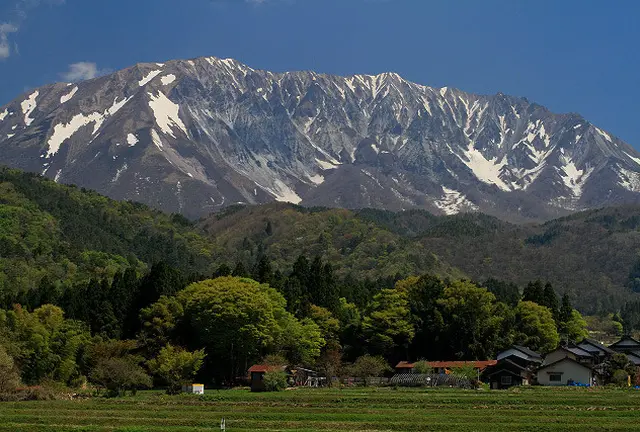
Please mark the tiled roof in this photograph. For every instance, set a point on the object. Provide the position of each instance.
(596, 344)
(265, 368)
(479, 364)
(527, 351)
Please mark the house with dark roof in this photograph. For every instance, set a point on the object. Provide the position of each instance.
(573, 352)
(598, 350)
(521, 355)
(626, 345)
(566, 371)
(507, 373)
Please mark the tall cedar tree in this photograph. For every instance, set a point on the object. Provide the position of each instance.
(551, 301)
(534, 291)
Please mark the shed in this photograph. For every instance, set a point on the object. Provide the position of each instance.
(565, 371)
(256, 375)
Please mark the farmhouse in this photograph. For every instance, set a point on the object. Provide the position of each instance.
(573, 352)
(598, 350)
(522, 356)
(565, 371)
(627, 345)
(507, 373)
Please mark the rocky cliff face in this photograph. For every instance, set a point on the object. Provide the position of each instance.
(197, 135)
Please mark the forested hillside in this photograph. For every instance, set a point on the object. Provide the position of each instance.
(62, 235)
(593, 256)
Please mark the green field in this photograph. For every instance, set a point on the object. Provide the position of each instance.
(382, 409)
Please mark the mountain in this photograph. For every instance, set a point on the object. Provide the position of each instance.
(51, 233)
(198, 135)
(592, 255)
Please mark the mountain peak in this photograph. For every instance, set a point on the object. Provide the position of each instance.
(198, 135)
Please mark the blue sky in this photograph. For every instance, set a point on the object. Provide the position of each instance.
(569, 55)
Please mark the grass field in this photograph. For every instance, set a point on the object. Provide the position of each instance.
(382, 409)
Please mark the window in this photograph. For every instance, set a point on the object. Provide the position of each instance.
(555, 377)
(506, 380)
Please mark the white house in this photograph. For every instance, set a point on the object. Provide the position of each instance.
(565, 370)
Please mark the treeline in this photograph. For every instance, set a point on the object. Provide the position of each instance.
(165, 326)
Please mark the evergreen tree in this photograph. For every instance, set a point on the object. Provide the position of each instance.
(262, 271)
(551, 301)
(565, 309)
(534, 292)
(223, 270)
(239, 270)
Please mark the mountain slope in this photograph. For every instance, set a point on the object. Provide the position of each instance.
(65, 235)
(195, 136)
(590, 255)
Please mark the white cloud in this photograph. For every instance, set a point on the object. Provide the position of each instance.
(19, 13)
(5, 47)
(82, 71)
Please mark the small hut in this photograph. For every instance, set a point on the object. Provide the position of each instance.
(256, 375)
(193, 389)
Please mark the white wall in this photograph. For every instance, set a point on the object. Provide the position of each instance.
(571, 371)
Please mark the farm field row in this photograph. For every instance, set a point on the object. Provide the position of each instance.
(380, 409)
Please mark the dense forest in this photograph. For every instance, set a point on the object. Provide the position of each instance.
(124, 297)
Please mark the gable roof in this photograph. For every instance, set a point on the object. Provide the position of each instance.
(634, 358)
(569, 359)
(502, 366)
(478, 364)
(527, 351)
(596, 344)
(405, 365)
(625, 342)
(578, 351)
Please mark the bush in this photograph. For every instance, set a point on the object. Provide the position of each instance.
(620, 378)
(367, 366)
(275, 381)
(422, 367)
(9, 374)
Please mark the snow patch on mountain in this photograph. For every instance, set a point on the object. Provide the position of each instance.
(64, 131)
(633, 158)
(168, 79)
(132, 140)
(604, 134)
(147, 79)
(486, 170)
(28, 106)
(453, 201)
(574, 178)
(166, 114)
(629, 180)
(67, 97)
(4, 114)
(119, 172)
(156, 139)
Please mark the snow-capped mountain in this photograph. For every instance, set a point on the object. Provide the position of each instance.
(194, 136)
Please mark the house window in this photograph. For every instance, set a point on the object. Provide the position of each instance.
(506, 380)
(555, 377)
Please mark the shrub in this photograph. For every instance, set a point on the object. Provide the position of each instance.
(367, 366)
(620, 378)
(275, 381)
(422, 367)
(9, 374)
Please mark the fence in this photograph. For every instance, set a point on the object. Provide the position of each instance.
(431, 380)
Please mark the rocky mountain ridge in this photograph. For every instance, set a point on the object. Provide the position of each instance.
(194, 136)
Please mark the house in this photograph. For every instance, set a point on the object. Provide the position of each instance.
(565, 371)
(626, 345)
(598, 350)
(507, 373)
(256, 375)
(573, 352)
(522, 356)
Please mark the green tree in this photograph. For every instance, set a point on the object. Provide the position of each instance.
(367, 367)
(422, 367)
(116, 366)
(551, 301)
(566, 310)
(471, 326)
(176, 366)
(9, 374)
(387, 324)
(576, 328)
(535, 327)
(534, 292)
